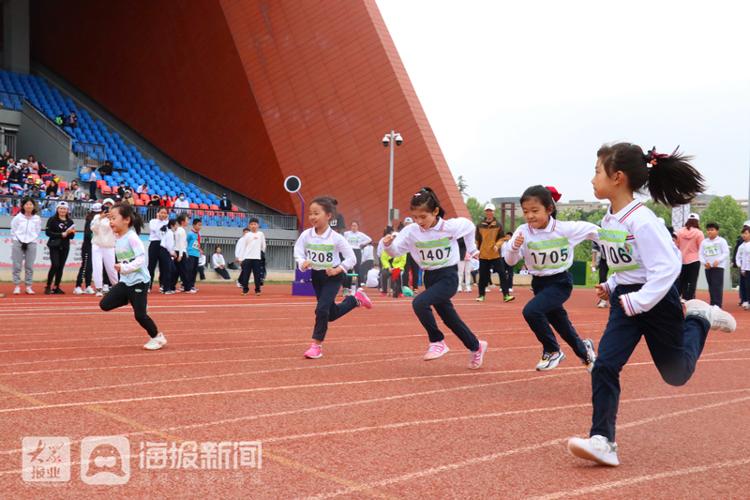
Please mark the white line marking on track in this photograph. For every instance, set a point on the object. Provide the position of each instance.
(501, 454)
(598, 488)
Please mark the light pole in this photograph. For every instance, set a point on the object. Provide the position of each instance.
(391, 140)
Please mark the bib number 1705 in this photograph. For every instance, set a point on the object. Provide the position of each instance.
(550, 257)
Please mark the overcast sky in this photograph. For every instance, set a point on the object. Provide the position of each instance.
(522, 93)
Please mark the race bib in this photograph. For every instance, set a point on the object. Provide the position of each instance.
(711, 250)
(321, 255)
(618, 250)
(548, 254)
(434, 253)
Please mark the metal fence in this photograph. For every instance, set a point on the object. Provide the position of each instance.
(279, 253)
(214, 218)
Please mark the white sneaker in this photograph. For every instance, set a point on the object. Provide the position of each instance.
(193, 290)
(155, 343)
(602, 304)
(596, 448)
(550, 360)
(467, 289)
(17, 290)
(89, 291)
(106, 288)
(436, 350)
(161, 339)
(238, 284)
(77, 291)
(99, 293)
(510, 290)
(719, 319)
(30, 291)
(590, 354)
(746, 305)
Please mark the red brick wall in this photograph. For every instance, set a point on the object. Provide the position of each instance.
(247, 92)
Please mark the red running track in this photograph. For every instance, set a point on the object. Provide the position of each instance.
(370, 419)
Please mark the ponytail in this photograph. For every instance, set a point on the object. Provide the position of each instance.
(670, 178)
(427, 200)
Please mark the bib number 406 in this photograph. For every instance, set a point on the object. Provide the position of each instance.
(619, 255)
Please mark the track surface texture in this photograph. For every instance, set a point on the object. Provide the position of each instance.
(370, 418)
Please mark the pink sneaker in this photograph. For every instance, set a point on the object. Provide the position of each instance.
(362, 299)
(476, 358)
(436, 350)
(315, 351)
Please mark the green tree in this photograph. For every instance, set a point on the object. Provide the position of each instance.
(462, 185)
(476, 209)
(726, 212)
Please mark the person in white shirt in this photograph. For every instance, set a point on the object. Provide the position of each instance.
(248, 253)
(182, 202)
(155, 232)
(714, 256)
(368, 261)
(546, 246)
(432, 242)
(320, 248)
(167, 257)
(103, 249)
(742, 259)
(357, 240)
(644, 301)
(180, 249)
(219, 264)
(25, 229)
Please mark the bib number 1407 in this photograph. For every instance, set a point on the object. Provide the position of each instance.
(434, 254)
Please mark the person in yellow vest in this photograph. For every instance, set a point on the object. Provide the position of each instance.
(391, 269)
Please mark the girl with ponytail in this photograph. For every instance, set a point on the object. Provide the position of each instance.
(644, 300)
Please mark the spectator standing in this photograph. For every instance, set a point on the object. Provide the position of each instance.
(357, 241)
(225, 203)
(85, 271)
(194, 253)
(103, 249)
(182, 202)
(248, 253)
(412, 272)
(25, 229)
(202, 265)
(93, 178)
(155, 232)
(689, 240)
(167, 256)
(714, 253)
(60, 230)
(180, 248)
(219, 264)
(488, 235)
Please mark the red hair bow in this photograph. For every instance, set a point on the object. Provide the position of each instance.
(555, 193)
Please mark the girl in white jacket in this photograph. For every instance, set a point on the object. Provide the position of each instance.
(25, 229)
(102, 249)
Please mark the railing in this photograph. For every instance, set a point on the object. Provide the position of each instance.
(89, 154)
(279, 253)
(9, 205)
(11, 101)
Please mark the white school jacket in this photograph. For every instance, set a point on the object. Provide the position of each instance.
(154, 229)
(641, 252)
(714, 250)
(250, 246)
(323, 250)
(356, 240)
(102, 234)
(180, 241)
(742, 258)
(548, 251)
(167, 241)
(217, 260)
(436, 247)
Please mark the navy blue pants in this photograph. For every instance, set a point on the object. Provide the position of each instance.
(326, 289)
(251, 266)
(743, 291)
(440, 286)
(715, 280)
(167, 270)
(546, 308)
(675, 343)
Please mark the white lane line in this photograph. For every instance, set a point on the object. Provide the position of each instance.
(696, 469)
(445, 420)
(494, 456)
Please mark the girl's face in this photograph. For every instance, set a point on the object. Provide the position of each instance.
(536, 214)
(424, 217)
(318, 217)
(28, 207)
(162, 215)
(604, 185)
(355, 227)
(62, 212)
(118, 224)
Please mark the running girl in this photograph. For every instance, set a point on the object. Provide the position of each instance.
(643, 298)
(433, 244)
(546, 246)
(134, 279)
(318, 248)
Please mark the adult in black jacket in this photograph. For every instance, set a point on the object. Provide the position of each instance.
(60, 231)
(84, 273)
